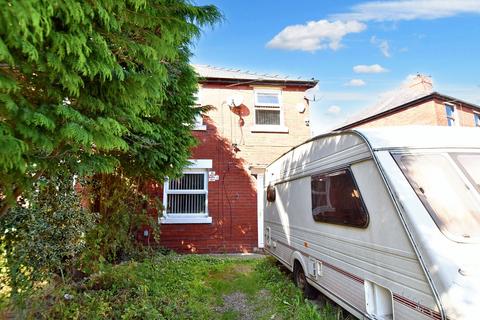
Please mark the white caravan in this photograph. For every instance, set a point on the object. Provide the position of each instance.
(385, 222)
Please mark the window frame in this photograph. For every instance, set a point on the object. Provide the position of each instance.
(476, 119)
(198, 124)
(197, 166)
(453, 117)
(269, 106)
(348, 171)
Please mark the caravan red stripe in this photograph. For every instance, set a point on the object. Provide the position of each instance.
(418, 307)
(345, 273)
(400, 299)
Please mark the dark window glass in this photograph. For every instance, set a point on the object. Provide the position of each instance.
(476, 117)
(271, 194)
(450, 111)
(336, 199)
(186, 203)
(187, 194)
(189, 181)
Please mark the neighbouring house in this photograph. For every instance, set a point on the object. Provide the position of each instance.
(416, 103)
(256, 118)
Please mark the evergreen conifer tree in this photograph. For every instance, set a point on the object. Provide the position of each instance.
(96, 85)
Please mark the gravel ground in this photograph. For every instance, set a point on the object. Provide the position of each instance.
(238, 302)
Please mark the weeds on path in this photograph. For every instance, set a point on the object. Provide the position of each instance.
(179, 287)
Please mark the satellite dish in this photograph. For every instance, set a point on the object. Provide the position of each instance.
(234, 100)
(300, 107)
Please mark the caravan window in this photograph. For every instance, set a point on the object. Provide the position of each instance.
(450, 195)
(469, 164)
(336, 199)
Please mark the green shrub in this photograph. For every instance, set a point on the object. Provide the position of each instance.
(120, 204)
(42, 236)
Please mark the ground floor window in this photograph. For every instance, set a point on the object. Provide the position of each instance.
(187, 194)
(185, 199)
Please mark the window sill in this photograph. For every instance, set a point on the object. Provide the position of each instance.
(202, 127)
(269, 128)
(185, 220)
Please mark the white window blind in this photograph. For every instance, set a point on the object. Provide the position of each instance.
(268, 107)
(187, 195)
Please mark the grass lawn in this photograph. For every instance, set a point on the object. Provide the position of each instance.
(180, 287)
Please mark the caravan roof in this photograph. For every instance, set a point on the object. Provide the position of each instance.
(420, 137)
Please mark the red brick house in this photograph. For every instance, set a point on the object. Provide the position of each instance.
(213, 207)
(416, 103)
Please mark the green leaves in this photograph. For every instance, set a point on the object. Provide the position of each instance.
(44, 235)
(11, 153)
(96, 85)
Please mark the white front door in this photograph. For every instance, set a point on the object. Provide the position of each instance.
(260, 193)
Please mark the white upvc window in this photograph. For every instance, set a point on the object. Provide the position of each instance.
(451, 115)
(268, 115)
(476, 118)
(198, 125)
(185, 199)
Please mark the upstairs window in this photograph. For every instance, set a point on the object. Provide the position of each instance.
(476, 117)
(268, 108)
(198, 124)
(336, 199)
(450, 112)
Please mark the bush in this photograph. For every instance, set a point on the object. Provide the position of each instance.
(121, 206)
(43, 235)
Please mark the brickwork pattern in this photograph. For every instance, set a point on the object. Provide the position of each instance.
(232, 200)
(427, 113)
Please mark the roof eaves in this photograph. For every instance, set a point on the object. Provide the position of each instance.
(389, 111)
(286, 82)
(409, 104)
(452, 99)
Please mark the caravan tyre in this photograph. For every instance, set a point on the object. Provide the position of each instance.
(300, 281)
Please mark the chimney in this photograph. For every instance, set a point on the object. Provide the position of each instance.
(420, 82)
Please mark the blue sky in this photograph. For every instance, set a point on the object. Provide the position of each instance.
(356, 49)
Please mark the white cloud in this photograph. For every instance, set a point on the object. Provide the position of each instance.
(315, 35)
(374, 68)
(334, 109)
(409, 10)
(356, 83)
(383, 45)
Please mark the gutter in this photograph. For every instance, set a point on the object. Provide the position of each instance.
(433, 95)
(236, 82)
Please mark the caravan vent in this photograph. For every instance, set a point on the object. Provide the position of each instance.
(315, 268)
(268, 236)
(378, 301)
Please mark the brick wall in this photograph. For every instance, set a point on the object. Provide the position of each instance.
(257, 148)
(232, 200)
(232, 203)
(464, 114)
(423, 114)
(427, 113)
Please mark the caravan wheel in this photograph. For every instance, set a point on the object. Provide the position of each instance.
(301, 282)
